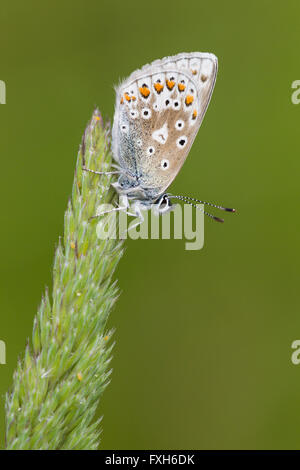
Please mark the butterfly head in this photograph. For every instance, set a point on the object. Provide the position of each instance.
(126, 183)
(134, 190)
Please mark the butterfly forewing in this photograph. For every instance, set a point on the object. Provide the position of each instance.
(159, 110)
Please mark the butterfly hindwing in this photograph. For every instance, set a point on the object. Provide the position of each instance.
(159, 110)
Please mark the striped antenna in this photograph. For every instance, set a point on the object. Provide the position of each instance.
(207, 203)
(189, 199)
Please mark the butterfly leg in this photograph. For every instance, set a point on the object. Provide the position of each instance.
(139, 214)
(101, 172)
(123, 207)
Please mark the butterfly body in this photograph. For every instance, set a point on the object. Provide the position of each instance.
(159, 110)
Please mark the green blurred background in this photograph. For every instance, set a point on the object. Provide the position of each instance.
(203, 353)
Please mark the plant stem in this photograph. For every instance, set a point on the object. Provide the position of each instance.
(57, 386)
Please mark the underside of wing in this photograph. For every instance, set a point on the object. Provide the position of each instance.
(159, 110)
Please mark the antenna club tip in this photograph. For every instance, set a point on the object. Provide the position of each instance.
(230, 210)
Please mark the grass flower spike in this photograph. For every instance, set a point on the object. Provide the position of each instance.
(57, 386)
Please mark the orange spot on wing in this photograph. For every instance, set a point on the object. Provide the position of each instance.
(170, 84)
(133, 98)
(181, 87)
(203, 78)
(194, 72)
(189, 99)
(145, 92)
(158, 87)
(72, 245)
(195, 114)
(106, 338)
(127, 97)
(122, 100)
(79, 376)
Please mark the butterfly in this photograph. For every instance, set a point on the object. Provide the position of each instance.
(158, 112)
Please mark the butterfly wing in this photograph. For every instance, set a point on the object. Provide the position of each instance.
(159, 110)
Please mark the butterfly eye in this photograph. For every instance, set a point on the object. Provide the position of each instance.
(165, 164)
(150, 150)
(181, 142)
(179, 124)
(146, 113)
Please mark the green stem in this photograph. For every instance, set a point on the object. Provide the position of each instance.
(57, 386)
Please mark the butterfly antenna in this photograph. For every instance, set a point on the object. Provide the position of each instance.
(184, 199)
(227, 209)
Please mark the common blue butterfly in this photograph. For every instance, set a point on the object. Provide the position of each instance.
(158, 112)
